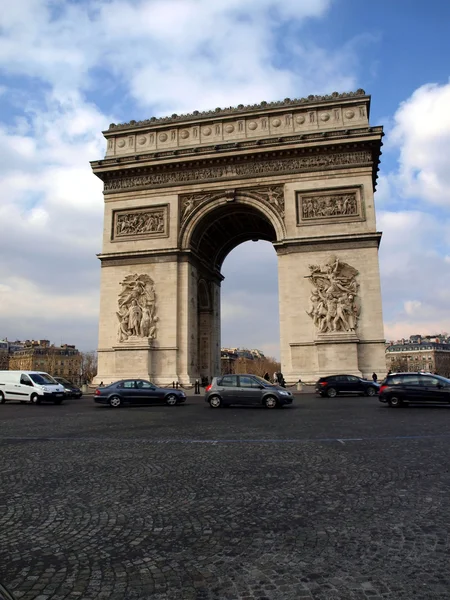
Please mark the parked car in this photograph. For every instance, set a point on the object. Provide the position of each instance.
(402, 388)
(246, 390)
(333, 385)
(70, 390)
(137, 391)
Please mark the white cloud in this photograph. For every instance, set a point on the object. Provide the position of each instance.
(129, 56)
(412, 307)
(173, 54)
(422, 134)
(415, 247)
(415, 273)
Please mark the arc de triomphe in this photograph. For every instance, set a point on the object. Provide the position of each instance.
(182, 191)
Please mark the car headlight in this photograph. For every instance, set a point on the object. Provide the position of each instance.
(284, 393)
(67, 390)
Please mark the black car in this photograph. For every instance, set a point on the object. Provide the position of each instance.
(402, 388)
(70, 390)
(333, 385)
(245, 389)
(137, 391)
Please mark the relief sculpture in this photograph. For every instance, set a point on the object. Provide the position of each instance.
(231, 171)
(190, 202)
(333, 205)
(137, 308)
(334, 305)
(139, 223)
(273, 195)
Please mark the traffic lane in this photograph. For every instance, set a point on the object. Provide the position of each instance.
(310, 417)
(145, 517)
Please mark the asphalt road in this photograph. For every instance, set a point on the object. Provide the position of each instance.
(328, 499)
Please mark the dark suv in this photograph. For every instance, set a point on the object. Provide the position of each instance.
(346, 384)
(245, 389)
(401, 388)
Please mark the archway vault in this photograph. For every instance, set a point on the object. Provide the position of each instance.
(217, 223)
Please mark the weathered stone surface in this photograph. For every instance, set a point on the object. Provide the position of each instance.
(181, 193)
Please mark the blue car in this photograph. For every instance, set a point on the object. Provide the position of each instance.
(137, 392)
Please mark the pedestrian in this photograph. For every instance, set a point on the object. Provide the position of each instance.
(275, 377)
(101, 384)
(266, 376)
(374, 377)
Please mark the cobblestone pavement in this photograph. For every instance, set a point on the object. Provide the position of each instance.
(328, 499)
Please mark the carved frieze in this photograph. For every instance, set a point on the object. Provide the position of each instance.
(334, 305)
(138, 223)
(272, 195)
(137, 308)
(249, 168)
(326, 207)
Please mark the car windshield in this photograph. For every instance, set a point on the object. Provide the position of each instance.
(263, 381)
(42, 379)
(63, 381)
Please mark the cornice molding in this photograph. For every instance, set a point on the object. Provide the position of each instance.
(239, 110)
(317, 138)
(241, 166)
(329, 243)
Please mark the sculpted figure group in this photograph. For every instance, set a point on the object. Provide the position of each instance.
(329, 206)
(140, 223)
(137, 308)
(334, 304)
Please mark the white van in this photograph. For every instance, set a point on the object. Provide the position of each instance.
(29, 386)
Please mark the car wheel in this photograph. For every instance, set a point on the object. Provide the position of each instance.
(2, 398)
(35, 399)
(395, 402)
(171, 400)
(115, 401)
(215, 402)
(371, 391)
(270, 402)
(331, 392)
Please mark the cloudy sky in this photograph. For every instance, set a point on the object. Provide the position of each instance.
(69, 68)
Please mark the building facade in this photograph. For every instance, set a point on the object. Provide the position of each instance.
(8, 348)
(59, 361)
(430, 353)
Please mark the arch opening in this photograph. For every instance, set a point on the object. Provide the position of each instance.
(217, 232)
(250, 308)
(213, 236)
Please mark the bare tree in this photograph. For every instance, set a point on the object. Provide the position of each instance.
(399, 364)
(257, 366)
(88, 366)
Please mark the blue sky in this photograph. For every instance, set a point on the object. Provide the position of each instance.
(68, 69)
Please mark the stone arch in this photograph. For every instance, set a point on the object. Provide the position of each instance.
(298, 173)
(247, 215)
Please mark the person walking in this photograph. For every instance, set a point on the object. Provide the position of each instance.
(374, 377)
(266, 376)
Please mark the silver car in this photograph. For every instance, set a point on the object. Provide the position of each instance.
(245, 390)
